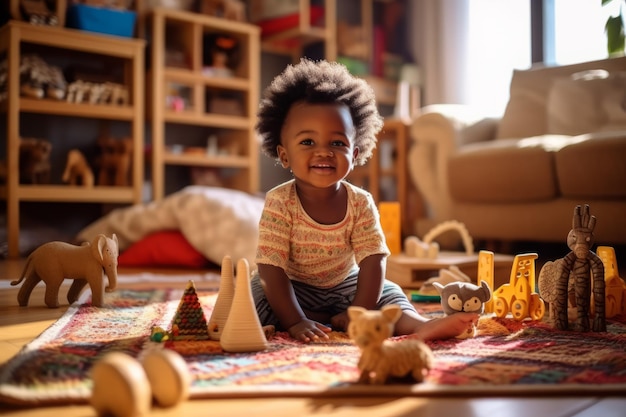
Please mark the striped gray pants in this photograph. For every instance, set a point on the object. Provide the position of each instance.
(330, 301)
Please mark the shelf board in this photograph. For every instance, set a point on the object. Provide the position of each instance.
(195, 159)
(188, 77)
(206, 119)
(63, 108)
(69, 193)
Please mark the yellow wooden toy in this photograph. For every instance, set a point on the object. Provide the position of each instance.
(390, 222)
(615, 288)
(518, 297)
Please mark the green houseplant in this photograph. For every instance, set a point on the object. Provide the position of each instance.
(614, 29)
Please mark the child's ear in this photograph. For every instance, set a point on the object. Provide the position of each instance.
(282, 156)
(355, 153)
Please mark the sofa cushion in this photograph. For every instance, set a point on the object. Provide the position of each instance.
(506, 170)
(525, 114)
(587, 101)
(593, 165)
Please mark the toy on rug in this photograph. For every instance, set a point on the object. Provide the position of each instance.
(243, 331)
(77, 170)
(382, 358)
(428, 249)
(615, 287)
(189, 322)
(125, 387)
(224, 301)
(53, 262)
(518, 297)
(466, 297)
(581, 263)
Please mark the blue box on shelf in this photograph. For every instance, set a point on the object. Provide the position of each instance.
(101, 20)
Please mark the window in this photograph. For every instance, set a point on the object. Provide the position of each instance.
(498, 42)
(575, 30)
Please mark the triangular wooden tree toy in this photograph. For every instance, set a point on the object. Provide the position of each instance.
(189, 322)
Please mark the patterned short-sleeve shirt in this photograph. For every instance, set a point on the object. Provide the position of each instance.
(318, 254)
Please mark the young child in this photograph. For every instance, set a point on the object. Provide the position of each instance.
(321, 247)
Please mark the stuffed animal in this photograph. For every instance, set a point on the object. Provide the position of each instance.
(466, 297)
(382, 358)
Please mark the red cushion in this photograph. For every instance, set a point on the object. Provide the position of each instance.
(164, 248)
(290, 21)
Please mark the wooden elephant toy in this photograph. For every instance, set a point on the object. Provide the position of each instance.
(53, 262)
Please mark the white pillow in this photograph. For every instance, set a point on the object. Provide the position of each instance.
(587, 101)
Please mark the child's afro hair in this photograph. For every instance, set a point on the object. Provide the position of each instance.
(319, 82)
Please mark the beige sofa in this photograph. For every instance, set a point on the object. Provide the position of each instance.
(561, 142)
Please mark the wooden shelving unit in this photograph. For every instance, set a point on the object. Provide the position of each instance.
(234, 131)
(293, 41)
(385, 175)
(13, 37)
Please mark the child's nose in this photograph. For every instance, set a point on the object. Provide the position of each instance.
(324, 151)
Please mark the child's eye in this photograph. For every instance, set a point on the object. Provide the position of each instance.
(339, 143)
(306, 142)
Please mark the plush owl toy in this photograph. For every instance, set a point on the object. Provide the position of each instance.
(466, 297)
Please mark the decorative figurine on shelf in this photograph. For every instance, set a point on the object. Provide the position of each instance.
(38, 79)
(37, 12)
(382, 358)
(583, 264)
(34, 161)
(115, 161)
(77, 170)
(464, 296)
(220, 54)
(53, 262)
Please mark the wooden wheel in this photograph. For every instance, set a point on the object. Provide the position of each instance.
(519, 309)
(500, 307)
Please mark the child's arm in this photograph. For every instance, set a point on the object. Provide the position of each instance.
(370, 282)
(282, 299)
(368, 288)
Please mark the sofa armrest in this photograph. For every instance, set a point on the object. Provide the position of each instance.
(436, 134)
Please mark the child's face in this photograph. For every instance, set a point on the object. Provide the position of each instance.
(317, 143)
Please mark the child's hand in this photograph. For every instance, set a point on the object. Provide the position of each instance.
(308, 330)
(447, 327)
(340, 321)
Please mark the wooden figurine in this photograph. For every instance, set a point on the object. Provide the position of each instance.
(382, 358)
(115, 161)
(243, 331)
(224, 301)
(120, 387)
(582, 264)
(77, 170)
(34, 161)
(53, 262)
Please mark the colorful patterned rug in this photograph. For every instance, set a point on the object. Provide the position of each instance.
(507, 357)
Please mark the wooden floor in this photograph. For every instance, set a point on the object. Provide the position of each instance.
(20, 325)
